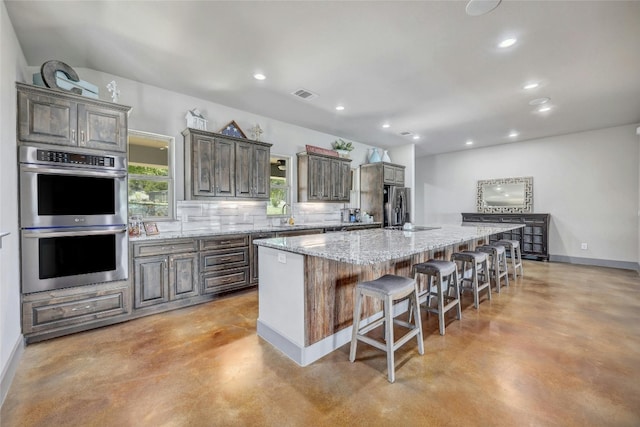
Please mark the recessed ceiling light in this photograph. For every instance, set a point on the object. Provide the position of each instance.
(416, 136)
(513, 134)
(480, 7)
(507, 43)
(539, 101)
(469, 142)
(340, 107)
(544, 109)
(386, 125)
(530, 86)
(259, 76)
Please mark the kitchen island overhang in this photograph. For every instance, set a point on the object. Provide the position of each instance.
(306, 283)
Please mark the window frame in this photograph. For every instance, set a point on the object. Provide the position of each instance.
(169, 179)
(287, 186)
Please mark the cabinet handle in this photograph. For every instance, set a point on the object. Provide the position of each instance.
(82, 135)
(225, 259)
(73, 134)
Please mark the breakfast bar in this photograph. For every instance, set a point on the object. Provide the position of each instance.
(306, 283)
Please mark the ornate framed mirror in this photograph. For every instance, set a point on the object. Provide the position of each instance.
(505, 195)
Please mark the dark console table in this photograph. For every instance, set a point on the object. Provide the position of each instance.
(534, 237)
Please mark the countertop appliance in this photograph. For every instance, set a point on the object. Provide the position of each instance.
(73, 217)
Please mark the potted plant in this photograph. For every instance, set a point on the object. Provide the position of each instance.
(342, 147)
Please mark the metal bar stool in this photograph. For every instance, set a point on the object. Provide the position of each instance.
(442, 271)
(388, 288)
(516, 255)
(478, 266)
(498, 265)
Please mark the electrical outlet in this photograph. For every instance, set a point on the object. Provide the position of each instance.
(584, 246)
(282, 258)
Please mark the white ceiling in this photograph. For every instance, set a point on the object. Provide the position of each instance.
(424, 67)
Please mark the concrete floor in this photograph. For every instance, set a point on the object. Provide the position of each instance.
(560, 347)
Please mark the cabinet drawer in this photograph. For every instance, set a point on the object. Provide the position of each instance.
(75, 309)
(164, 247)
(230, 241)
(224, 281)
(225, 259)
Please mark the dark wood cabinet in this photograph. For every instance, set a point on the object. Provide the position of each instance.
(393, 174)
(220, 166)
(533, 237)
(55, 117)
(164, 271)
(253, 170)
(323, 178)
(224, 263)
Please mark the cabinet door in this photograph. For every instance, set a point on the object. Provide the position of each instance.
(317, 165)
(202, 164)
(389, 174)
(398, 174)
(102, 128)
(224, 168)
(244, 169)
(183, 277)
(151, 281)
(262, 172)
(47, 119)
(341, 180)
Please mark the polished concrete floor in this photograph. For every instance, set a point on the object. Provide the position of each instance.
(560, 347)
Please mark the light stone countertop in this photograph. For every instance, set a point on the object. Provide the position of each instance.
(366, 247)
(244, 228)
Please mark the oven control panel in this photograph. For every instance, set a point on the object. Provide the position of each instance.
(75, 158)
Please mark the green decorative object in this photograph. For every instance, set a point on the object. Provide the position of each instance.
(342, 147)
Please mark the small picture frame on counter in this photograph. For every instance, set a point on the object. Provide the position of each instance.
(151, 228)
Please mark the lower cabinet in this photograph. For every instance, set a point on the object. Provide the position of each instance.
(160, 279)
(224, 263)
(533, 237)
(63, 311)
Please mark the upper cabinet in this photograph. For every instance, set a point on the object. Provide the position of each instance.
(226, 167)
(379, 174)
(56, 117)
(252, 170)
(323, 178)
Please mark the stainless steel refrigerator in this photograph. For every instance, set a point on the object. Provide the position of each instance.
(396, 205)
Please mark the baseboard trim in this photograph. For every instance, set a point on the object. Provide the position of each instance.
(11, 368)
(625, 265)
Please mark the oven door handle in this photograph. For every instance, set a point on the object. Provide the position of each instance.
(73, 233)
(76, 172)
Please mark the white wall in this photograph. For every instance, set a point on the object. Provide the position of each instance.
(12, 64)
(587, 181)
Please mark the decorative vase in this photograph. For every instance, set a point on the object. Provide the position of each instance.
(375, 156)
(385, 156)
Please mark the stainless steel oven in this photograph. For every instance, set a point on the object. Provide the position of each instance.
(55, 258)
(71, 188)
(73, 217)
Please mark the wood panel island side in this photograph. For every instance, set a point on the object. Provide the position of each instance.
(306, 283)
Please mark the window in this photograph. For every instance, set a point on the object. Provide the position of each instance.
(150, 175)
(280, 187)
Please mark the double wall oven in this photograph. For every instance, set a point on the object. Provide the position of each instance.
(73, 217)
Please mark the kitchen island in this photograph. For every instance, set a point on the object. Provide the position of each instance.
(307, 282)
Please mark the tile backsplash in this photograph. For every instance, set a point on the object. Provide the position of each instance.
(202, 215)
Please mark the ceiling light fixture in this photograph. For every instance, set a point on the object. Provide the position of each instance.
(282, 165)
(469, 142)
(259, 76)
(507, 43)
(513, 134)
(480, 7)
(539, 101)
(416, 136)
(339, 107)
(530, 86)
(386, 125)
(544, 109)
